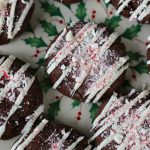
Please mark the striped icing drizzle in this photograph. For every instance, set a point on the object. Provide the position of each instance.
(86, 52)
(126, 126)
(23, 142)
(141, 11)
(13, 30)
(15, 82)
(148, 49)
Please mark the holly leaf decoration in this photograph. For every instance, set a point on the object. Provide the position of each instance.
(69, 23)
(76, 103)
(49, 28)
(141, 67)
(113, 22)
(93, 111)
(81, 11)
(132, 32)
(45, 85)
(134, 56)
(40, 62)
(51, 9)
(106, 3)
(30, 29)
(35, 42)
(53, 110)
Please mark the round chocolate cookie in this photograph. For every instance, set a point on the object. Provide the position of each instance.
(15, 16)
(148, 53)
(68, 1)
(52, 136)
(138, 10)
(86, 61)
(21, 99)
(124, 122)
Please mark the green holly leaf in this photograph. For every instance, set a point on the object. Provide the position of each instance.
(49, 28)
(76, 103)
(93, 111)
(30, 29)
(113, 22)
(134, 56)
(132, 32)
(40, 62)
(35, 42)
(53, 110)
(69, 23)
(45, 85)
(106, 3)
(141, 67)
(51, 9)
(81, 11)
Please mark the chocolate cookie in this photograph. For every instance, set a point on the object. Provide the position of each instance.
(21, 99)
(14, 18)
(148, 53)
(138, 10)
(52, 136)
(86, 61)
(68, 1)
(124, 122)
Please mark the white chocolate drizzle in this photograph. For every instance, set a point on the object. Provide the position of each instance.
(73, 145)
(87, 49)
(6, 65)
(123, 121)
(3, 5)
(53, 46)
(139, 13)
(33, 118)
(26, 138)
(16, 81)
(13, 27)
(29, 125)
(35, 132)
(23, 91)
(99, 88)
(22, 17)
(148, 50)
(67, 49)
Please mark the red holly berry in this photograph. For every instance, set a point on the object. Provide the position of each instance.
(79, 113)
(78, 118)
(110, 12)
(134, 76)
(37, 51)
(93, 16)
(57, 97)
(94, 11)
(35, 55)
(61, 21)
(147, 43)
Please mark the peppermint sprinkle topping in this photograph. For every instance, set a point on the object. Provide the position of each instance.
(124, 121)
(88, 51)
